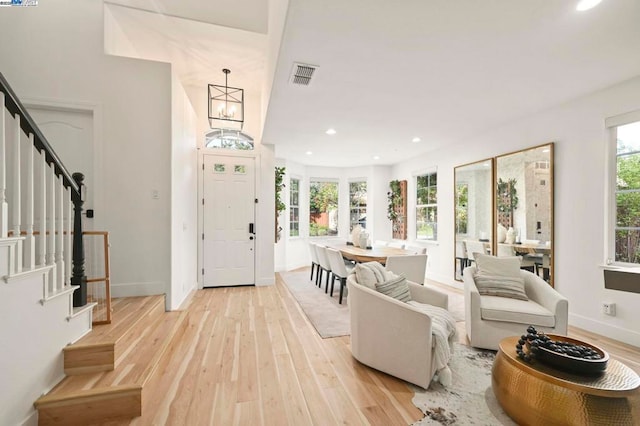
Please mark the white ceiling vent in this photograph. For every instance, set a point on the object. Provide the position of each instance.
(302, 73)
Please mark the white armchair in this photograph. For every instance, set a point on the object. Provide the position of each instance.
(393, 336)
(489, 319)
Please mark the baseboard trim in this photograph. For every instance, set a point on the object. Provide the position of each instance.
(617, 333)
(264, 281)
(31, 420)
(152, 288)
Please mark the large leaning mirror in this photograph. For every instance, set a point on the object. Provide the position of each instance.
(524, 208)
(473, 212)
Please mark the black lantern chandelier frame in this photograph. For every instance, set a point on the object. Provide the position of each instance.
(226, 105)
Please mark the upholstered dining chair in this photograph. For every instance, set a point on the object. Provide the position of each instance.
(413, 267)
(416, 249)
(506, 250)
(396, 244)
(339, 270)
(474, 247)
(315, 264)
(324, 266)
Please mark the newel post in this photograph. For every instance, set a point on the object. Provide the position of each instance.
(78, 277)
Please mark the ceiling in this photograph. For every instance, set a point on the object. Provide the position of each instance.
(439, 70)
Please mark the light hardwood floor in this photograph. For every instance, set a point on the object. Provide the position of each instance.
(249, 356)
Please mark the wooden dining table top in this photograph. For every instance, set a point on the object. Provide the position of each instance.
(531, 248)
(376, 253)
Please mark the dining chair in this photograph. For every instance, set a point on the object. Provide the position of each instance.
(413, 267)
(416, 249)
(396, 244)
(474, 247)
(339, 271)
(506, 250)
(315, 264)
(324, 266)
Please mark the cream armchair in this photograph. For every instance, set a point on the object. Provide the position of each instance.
(489, 319)
(393, 336)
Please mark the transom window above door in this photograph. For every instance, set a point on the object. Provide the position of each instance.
(228, 139)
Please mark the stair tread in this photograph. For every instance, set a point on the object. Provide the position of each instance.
(126, 312)
(145, 343)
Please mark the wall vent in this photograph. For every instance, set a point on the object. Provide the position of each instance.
(302, 74)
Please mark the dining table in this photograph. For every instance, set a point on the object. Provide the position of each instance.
(373, 254)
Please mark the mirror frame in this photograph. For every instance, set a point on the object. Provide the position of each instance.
(551, 185)
(491, 161)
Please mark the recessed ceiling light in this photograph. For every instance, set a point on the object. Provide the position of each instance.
(587, 4)
(416, 140)
(331, 131)
(376, 157)
(308, 152)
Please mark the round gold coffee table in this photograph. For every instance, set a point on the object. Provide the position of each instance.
(536, 394)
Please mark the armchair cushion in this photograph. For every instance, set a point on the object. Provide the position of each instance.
(370, 273)
(517, 311)
(396, 287)
(499, 276)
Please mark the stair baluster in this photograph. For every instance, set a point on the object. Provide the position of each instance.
(16, 192)
(4, 207)
(59, 258)
(29, 257)
(51, 227)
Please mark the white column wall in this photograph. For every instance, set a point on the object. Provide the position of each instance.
(184, 196)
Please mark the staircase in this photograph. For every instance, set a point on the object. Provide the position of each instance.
(43, 305)
(108, 369)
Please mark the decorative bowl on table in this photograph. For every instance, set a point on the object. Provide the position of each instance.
(564, 353)
(574, 359)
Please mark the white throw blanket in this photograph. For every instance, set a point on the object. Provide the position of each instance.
(443, 328)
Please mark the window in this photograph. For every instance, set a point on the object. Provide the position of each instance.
(323, 208)
(229, 139)
(357, 204)
(627, 194)
(462, 208)
(427, 207)
(294, 208)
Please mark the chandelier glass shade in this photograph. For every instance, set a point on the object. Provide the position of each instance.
(226, 105)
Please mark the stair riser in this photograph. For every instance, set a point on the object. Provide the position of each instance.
(89, 359)
(97, 408)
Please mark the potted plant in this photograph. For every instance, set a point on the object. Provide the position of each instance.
(280, 205)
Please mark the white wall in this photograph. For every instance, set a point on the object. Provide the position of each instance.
(184, 195)
(577, 128)
(265, 216)
(60, 57)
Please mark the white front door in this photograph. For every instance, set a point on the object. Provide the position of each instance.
(228, 221)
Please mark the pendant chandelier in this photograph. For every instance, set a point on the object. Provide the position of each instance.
(226, 105)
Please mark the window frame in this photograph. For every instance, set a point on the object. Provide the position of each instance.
(336, 182)
(358, 208)
(433, 205)
(292, 206)
(611, 193)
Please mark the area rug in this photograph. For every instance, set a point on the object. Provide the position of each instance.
(329, 318)
(469, 400)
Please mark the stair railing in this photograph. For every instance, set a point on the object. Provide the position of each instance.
(41, 195)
